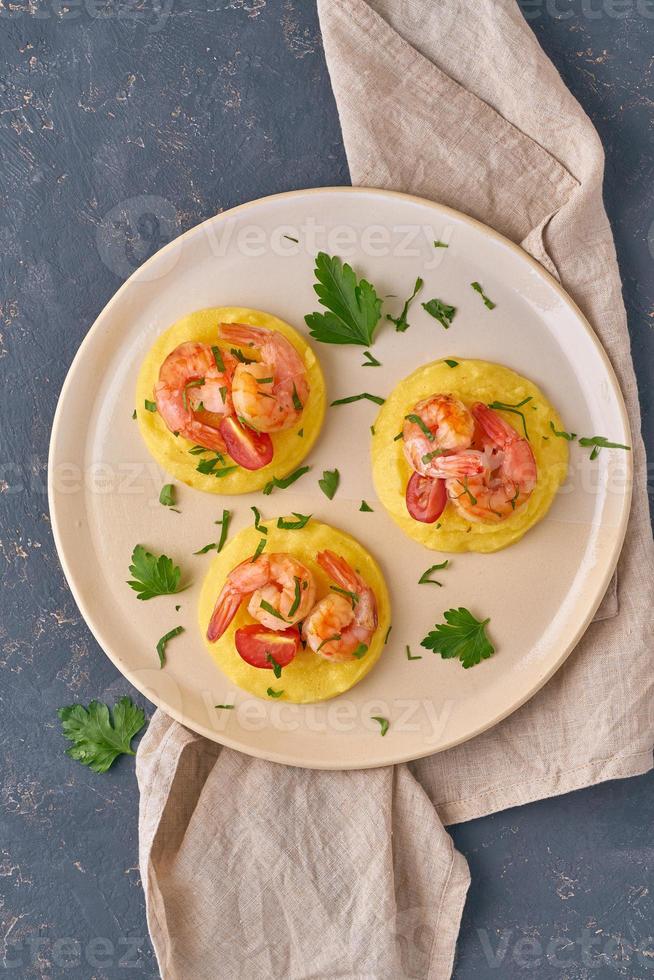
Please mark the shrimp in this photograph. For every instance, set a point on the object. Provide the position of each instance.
(338, 624)
(276, 582)
(508, 479)
(193, 394)
(268, 394)
(445, 426)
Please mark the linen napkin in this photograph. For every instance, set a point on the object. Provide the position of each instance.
(256, 870)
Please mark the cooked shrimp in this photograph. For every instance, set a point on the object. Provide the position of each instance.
(445, 425)
(338, 624)
(276, 581)
(508, 479)
(271, 393)
(193, 395)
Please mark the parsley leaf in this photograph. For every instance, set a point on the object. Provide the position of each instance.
(152, 575)
(274, 694)
(354, 307)
(97, 742)
(283, 482)
(218, 545)
(460, 636)
(150, 406)
(570, 436)
(276, 668)
(440, 311)
(227, 706)
(257, 521)
(302, 521)
(377, 399)
(167, 495)
(360, 651)
(488, 303)
(329, 483)
(410, 656)
(451, 363)
(383, 723)
(503, 407)
(600, 442)
(161, 645)
(439, 244)
(424, 578)
(366, 508)
(370, 360)
(401, 322)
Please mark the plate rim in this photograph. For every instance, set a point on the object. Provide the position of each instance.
(223, 738)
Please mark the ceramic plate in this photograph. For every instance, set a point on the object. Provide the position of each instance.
(540, 594)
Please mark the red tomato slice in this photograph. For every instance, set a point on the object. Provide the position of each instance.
(425, 498)
(248, 448)
(255, 642)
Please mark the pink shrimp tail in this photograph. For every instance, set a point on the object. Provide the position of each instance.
(494, 426)
(243, 334)
(224, 611)
(338, 568)
(467, 462)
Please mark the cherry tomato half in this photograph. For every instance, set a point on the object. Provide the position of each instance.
(255, 642)
(425, 498)
(248, 448)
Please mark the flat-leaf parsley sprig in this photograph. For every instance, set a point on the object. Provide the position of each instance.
(462, 636)
(152, 575)
(97, 740)
(354, 308)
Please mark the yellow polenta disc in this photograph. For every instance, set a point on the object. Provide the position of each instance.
(172, 452)
(308, 677)
(471, 381)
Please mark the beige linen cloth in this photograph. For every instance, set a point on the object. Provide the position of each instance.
(253, 870)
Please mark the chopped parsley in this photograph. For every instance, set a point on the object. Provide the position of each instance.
(167, 495)
(352, 596)
(271, 610)
(302, 521)
(412, 417)
(440, 311)
(388, 633)
(296, 599)
(260, 547)
(240, 356)
(161, 645)
(134, 414)
(514, 409)
(438, 244)
(276, 668)
(227, 707)
(274, 694)
(600, 442)
(451, 363)
(291, 239)
(410, 656)
(150, 406)
(366, 508)
(218, 358)
(360, 651)
(377, 399)
(370, 361)
(401, 322)
(570, 436)
(198, 383)
(329, 483)
(297, 404)
(329, 639)
(283, 482)
(257, 521)
(383, 723)
(488, 303)
(426, 580)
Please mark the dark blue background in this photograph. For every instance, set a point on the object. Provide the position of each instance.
(203, 109)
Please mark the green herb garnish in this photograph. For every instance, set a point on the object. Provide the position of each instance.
(401, 322)
(302, 521)
(514, 409)
(600, 442)
(329, 639)
(274, 694)
(488, 303)
(366, 508)
(383, 723)
(240, 356)
(291, 239)
(300, 433)
(427, 458)
(354, 307)
(226, 706)
(329, 483)
(377, 399)
(466, 490)
(570, 436)
(460, 636)
(134, 414)
(370, 360)
(150, 406)
(451, 363)
(276, 668)
(352, 596)
(260, 547)
(257, 521)
(271, 610)
(218, 358)
(152, 575)
(218, 545)
(198, 383)
(98, 739)
(360, 651)
(410, 656)
(167, 495)
(284, 482)
(398, 436)
(438, 244)
(421, 425)
(388, 633)
(297, 404)
(424, 578)
(440, 311)
(161, 645)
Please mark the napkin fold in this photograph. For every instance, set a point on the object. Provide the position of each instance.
(256, 870)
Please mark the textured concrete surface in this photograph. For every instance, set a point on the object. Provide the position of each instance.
(120, 125)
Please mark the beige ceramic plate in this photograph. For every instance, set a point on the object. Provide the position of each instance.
(540, 593)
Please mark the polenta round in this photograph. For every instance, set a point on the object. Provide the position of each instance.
(308, 677)
(172, 452)
(471, 381)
